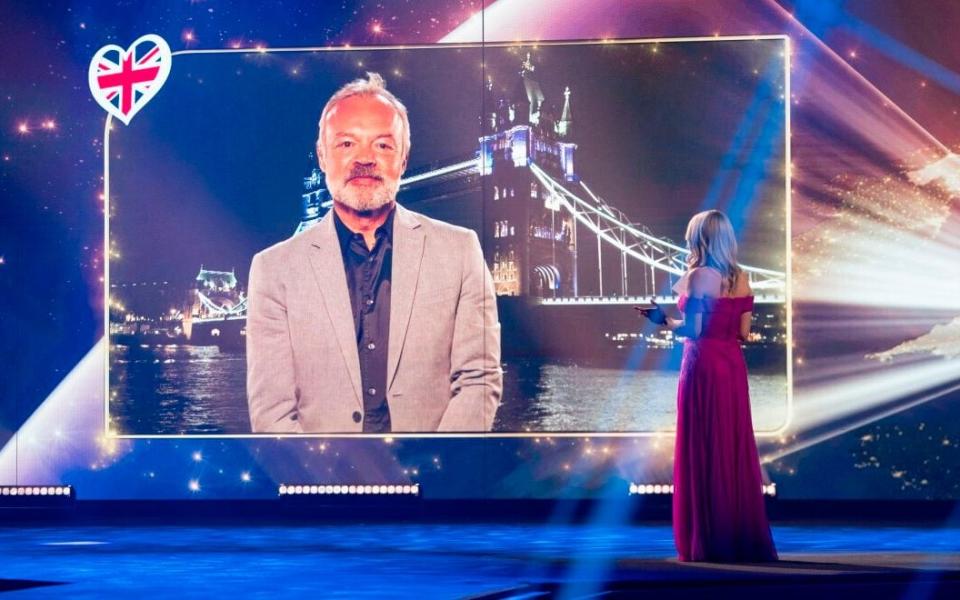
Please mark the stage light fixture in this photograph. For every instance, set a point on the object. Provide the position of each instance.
(35, 490)
(36, 496)
(349, 490)
(644, 489)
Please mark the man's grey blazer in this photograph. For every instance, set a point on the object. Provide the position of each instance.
(443, 355)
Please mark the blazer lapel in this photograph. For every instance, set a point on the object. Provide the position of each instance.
(408, 240)
(327, 263)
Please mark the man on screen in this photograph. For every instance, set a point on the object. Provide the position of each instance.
(378, 319)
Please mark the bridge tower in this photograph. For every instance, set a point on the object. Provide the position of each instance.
(529, 241)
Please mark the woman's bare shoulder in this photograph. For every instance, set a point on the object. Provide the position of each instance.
(705, 281)
(704, 273)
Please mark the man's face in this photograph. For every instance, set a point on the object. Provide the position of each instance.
(361, 155)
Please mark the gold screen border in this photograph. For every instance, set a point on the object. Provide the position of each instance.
(774, 433)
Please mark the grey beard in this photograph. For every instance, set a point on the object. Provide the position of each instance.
(365, 200)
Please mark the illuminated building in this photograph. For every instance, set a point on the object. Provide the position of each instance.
(529, 242)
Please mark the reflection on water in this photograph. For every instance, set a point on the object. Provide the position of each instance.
(177, 389)
(199, 389)
(568, 397)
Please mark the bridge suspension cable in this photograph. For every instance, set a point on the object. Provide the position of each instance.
(614, 227)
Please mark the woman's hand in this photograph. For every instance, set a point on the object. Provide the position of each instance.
(653, 312)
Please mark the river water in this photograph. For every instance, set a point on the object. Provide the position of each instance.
(184, 390)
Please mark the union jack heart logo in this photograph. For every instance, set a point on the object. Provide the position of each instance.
(123, 81)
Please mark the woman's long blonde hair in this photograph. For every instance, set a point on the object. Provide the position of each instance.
(712, 243)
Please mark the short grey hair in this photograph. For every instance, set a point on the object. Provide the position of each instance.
(373, 85)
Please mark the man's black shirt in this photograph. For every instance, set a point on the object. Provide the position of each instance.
(368, 281)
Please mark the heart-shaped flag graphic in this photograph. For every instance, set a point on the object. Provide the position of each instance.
(123, 81)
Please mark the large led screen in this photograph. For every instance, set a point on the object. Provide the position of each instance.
(576, 165)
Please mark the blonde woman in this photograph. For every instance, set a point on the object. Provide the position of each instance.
(718, 511)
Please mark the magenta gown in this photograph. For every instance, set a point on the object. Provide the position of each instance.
(718, 510)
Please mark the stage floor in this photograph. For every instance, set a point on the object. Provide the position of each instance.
(478, 560)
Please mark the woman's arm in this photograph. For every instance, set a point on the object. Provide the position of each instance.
(743, 289)
(689, 326)
(703, 282)
(745, 319)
